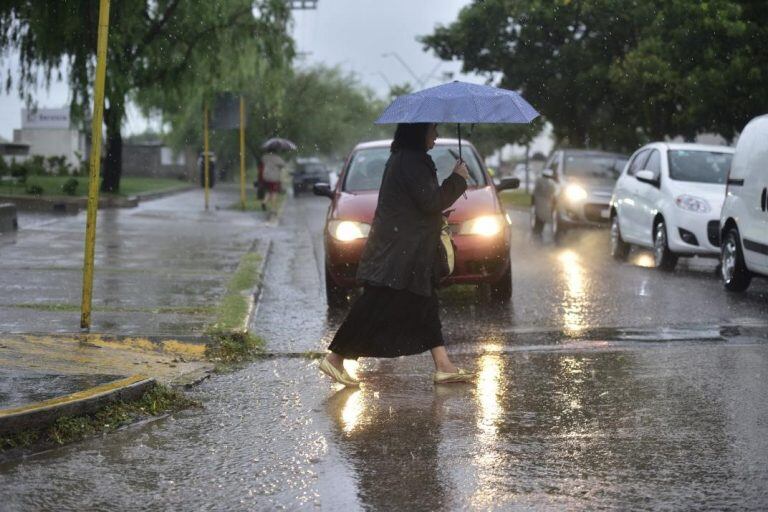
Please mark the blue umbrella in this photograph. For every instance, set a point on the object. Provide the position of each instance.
(459, 102)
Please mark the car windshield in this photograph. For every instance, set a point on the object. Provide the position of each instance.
(604, 167)
(699, 166)
(367, 167)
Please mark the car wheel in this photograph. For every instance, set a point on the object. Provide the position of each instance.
(335, 295)
(558, 228)
(662, 256)
(501, 290)
(536, 225)
(736, 277)
(619, 248)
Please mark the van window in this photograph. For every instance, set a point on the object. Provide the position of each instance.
(699, 166)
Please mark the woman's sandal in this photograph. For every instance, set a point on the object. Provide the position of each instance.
(342, 377)
(449, 378)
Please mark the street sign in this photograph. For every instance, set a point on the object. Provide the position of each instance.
(226, 112)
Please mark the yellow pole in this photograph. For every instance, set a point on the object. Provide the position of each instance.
(205, 153)
(94, 164)
(242, 152)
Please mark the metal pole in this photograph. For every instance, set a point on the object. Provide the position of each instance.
(242, 152)
(527, 172)
(94, 165)
(458, 133)
(205, 153)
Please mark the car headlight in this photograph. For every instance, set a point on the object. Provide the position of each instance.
(693, 204)
(575, 193)
(348, 230)
(486, 225)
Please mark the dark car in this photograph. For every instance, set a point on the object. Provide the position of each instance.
(480, 226)
(574, 189)
(307, 173)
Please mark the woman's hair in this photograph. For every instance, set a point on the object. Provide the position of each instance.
(410, 136)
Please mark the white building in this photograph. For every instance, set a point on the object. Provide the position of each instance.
(49, 132)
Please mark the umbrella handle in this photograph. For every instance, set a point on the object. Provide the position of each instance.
(458, 133)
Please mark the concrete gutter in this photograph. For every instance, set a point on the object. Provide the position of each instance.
(255, 294)
(41, 414)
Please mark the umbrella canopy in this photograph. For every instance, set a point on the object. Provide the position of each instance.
(459, 102)
(278, 144)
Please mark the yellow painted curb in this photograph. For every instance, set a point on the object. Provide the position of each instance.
(93, 392)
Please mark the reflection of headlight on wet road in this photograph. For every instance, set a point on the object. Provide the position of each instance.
(347, 230)
(575, 193)
(487, 225)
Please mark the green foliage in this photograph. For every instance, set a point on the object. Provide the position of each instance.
(158, 400)
(58, 166)
(155, 50)
(69, 187)
(5, 169)
(323, 110)
(19, 171)
(616, 73)
(34, 189)
(36, 165)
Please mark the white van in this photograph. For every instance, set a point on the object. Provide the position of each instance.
(744, 218)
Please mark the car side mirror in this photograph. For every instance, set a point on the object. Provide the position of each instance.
(322, 189)
(646, 176)
(507, 184)
(549, 174)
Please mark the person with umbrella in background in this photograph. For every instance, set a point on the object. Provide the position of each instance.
(402, 263)
(271, 166)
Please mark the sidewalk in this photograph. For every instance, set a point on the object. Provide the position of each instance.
(160, 271)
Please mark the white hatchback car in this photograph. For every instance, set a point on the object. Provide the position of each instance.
(668, 198)
(744, 218)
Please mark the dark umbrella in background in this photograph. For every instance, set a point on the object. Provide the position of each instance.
(459, 102)
(278, 144)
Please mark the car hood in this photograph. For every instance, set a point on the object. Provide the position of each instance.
(714, 193)
(360, 206)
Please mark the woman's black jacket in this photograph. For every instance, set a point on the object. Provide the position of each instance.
(402, 246)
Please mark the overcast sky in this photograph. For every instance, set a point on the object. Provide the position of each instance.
(362, 36)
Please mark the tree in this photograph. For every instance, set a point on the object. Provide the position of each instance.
(323, 110)
(615, 73)
(153, 45)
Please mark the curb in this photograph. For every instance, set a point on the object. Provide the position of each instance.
(254, 296)
(41, 414)
(74, 204)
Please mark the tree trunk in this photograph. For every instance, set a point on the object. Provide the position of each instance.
(113, 160)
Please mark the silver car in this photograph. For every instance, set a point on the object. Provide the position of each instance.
(574, 189)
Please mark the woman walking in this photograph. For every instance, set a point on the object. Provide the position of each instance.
(398, 313)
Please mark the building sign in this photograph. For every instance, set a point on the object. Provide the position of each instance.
(45, 118)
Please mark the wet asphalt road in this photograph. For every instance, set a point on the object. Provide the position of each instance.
(600, 386)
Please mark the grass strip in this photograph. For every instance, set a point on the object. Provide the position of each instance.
(516, 198)
(230, 341)
(158, 400)
(129, 186)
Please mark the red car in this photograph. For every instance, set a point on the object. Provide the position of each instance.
(479, 224)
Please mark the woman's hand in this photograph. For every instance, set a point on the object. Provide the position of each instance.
(461, 169)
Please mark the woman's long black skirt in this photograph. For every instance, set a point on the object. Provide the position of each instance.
(385, 322)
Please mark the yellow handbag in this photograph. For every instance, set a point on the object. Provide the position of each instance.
(447, 250)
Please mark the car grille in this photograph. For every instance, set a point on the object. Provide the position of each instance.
(593, 212)
(713, 232)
